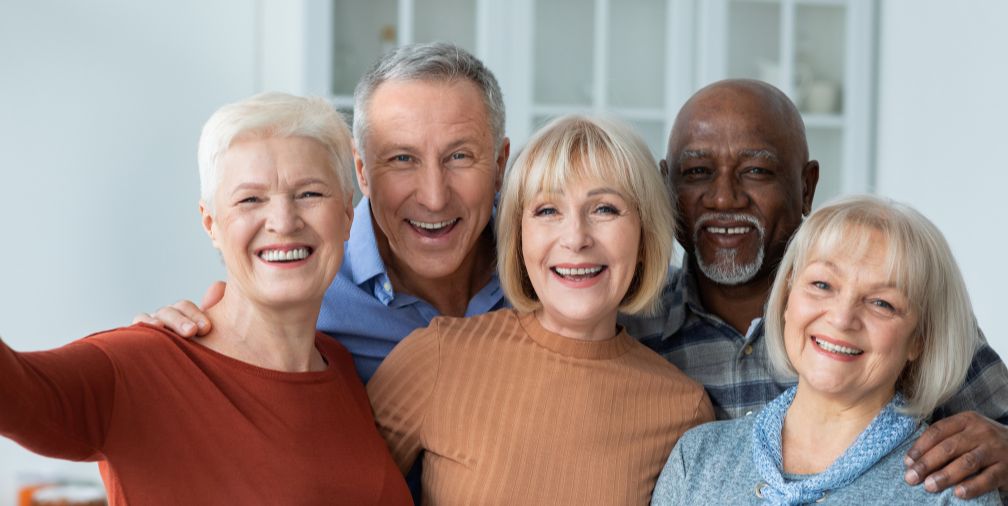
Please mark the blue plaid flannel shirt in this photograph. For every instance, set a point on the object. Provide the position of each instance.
(735, 369)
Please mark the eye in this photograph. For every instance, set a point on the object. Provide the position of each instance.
(757, 171)
(458, 156)
(883, 304)
(401, 159)
(607, 209)
(821, 285)
(545, 211)
(249, 200)
(308, 195)
(695, 172)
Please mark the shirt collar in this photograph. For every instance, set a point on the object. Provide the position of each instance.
(362, 260)
(682, 297)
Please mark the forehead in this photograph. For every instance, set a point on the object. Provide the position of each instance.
(274, 159)
(420, 111)
(728, 123)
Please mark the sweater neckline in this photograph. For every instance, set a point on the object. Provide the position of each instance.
(576, 348)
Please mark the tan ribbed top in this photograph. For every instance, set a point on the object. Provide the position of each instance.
(510, 413)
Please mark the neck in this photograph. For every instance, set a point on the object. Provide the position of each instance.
(818, 428)
(737, 305)
(597, 330)
(450, 294)
(277, 338)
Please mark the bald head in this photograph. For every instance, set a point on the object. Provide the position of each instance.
(740, 174)
(772, 111)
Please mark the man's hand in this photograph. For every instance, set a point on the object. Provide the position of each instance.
(183, 317)
(965, 445)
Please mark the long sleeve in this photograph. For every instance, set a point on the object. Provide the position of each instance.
(57, 403)
(400, 393)
(985, 389)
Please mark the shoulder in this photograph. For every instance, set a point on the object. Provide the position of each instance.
(727, 438)
(451, 330)
(140, 338)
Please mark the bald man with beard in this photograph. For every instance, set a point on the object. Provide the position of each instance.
(739, 172)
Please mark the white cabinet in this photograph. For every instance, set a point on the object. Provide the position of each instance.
(636, 59)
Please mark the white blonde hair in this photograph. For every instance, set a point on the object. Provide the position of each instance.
(579, 147)
(922, 267)
(274, 114)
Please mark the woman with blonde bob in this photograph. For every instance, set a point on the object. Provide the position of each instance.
(551, 402)
(870, 312)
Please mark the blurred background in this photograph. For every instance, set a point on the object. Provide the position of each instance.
(101, 104)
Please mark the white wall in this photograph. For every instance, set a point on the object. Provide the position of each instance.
(943, 104)
(101, 103)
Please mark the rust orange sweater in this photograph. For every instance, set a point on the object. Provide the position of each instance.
(510, 413)
(173, 422)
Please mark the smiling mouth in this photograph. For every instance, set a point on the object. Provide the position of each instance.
(836, 348)
(285, 256)
(578, 273)
(729, 230)
(434, 228)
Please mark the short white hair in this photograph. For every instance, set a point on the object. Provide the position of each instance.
(920, 263)
(274, 114)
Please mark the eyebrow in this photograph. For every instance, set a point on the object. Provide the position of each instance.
(836, 270)
(256, 186)
(761, 154)
(693, 154)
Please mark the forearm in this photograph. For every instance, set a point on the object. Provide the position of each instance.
(56, 403)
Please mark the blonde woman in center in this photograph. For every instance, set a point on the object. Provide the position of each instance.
(551, 402)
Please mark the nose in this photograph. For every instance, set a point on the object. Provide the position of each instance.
(725, 192)
(283, 217)
(432, 190)
(576, 235)
(843, 314)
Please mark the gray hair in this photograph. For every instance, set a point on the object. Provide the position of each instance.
(274, 114)
(920, 263)
(437, 61)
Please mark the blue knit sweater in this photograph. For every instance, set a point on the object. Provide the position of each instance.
(712, 464)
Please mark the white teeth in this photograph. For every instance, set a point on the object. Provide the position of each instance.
(585, 271)
(729, 230)
(274, 255)
(432, 226)
(836, 348)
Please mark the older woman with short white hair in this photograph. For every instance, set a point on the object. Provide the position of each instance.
(263, 410)
(551, 402)
(871, 314)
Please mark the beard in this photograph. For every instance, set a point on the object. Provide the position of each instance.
(726, 268)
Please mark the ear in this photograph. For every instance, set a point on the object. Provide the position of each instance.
(359, 172)
(810, 177)
(208, 222)
(916, 348)
(349, 219)
(502, 157)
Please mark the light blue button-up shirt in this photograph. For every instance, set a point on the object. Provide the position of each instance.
(362, 311)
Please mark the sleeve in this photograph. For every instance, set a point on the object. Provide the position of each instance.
(704, 411)
(401, 393)
(672, 482)
(57, 403)
(985, 389)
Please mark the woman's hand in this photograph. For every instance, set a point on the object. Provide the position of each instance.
(965, 445)
(184, 317)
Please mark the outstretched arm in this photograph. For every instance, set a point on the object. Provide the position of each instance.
(57, 403)
(184, 317)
